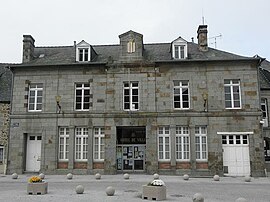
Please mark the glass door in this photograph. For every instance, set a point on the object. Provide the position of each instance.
(139, 157)
(131, 157)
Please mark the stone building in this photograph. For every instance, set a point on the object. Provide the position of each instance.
(172, 108)
(264, 71)
(5, 97)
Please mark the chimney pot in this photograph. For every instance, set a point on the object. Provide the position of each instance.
(28, 48)
(202, 37)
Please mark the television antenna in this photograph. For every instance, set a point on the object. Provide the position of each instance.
(215, 39)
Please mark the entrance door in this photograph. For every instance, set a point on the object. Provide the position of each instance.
(130, 158)
(33, 153)
(236, 159)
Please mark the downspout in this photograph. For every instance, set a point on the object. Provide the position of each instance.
(6, 166)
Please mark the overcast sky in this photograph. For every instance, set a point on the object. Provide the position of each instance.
(243, 24)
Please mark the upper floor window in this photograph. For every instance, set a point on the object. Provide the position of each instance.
(63, 143)
(99, 144)
(232, 94)
(164, 150)
(182, 143)
(179, 48)
(83, 53)
(181, 94)
(131, 96)
(264, 112)
(35, 97)
(201, 143)
(82, 96)
(131, 46)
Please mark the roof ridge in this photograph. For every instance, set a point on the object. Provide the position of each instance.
(54, 46)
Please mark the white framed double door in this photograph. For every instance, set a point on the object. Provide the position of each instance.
(236, 159)
(33, 153)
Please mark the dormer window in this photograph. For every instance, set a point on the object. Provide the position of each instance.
(83, 53)
(131, 46)
(179, 49)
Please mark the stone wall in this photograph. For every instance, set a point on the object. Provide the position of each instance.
(4, 131)
(155, 109)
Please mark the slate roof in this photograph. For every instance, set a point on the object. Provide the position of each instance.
(5, 83)
(264, 75)
(158, 52)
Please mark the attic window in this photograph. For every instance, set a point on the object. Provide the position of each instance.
(179, 49)
(179, 52)
(83, 53)
(131, 46)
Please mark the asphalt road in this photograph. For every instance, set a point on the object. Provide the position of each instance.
(60, 189)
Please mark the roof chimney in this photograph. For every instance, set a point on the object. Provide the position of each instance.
(202, 37)
(28, 48)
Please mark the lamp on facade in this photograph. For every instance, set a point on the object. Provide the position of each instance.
(205, 98)
(58, 99)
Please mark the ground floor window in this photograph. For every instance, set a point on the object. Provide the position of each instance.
(1, 154)
(63, 143)
(201, 143)
(182, 143)
(267, 149)
(81, 142)
(164, 143)
(99, 144)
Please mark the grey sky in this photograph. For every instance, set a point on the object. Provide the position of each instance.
(244, 24)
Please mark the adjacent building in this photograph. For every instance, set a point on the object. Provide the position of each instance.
(265, 97)
(172, 108)
(5, 98)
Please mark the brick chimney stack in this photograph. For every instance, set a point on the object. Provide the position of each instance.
(28, 48)
(202, 37)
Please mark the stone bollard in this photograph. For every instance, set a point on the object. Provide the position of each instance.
(69, 176)
(247, 179)
(14, 176)
(198, 197)
(126, 176)
(98, 176)
(241, 200)
(42, 176)
(110, 191)
(216, 178)
(186, 177)
(156, 176)
(79, 189)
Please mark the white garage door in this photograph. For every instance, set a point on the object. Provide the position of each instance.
(236, 160)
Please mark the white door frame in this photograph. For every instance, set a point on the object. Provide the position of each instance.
(33, 152)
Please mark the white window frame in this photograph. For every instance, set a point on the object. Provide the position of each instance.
(264, 112)
(201, 146)
(83, 88)
(2, 158)
(81, 144)
(180, 87)
(177, 45)
(131, 46)
(36, 89)
(99, 144)
(164, 154)
(131, 88)
(63, 148)
(231, 85)
(182, 143)
(235, 139)
(83, 46)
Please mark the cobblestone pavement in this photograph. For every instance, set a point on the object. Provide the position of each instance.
(228, 189)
